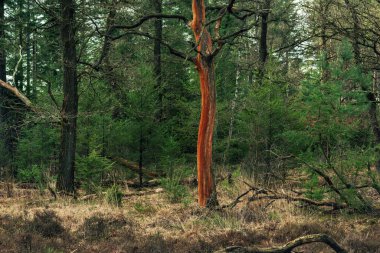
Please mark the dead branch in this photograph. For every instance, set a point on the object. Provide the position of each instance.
(144, 193)
(237, 200)
(262, 193)
(18, 94)
(148, 17)
(134, 167)
(288, 247)
(332, 204)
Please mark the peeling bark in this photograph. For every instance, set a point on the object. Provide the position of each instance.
(206, 70)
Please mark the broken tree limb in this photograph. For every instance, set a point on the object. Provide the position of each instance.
(18, 94)
(288, 247)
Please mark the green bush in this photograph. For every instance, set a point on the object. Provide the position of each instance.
(92, 170)
(114, 195)
(33, 174)
(176, 192)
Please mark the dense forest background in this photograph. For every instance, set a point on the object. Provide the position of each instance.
(106, 93)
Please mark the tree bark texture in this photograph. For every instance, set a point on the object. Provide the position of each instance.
(206, 70)
(263, 49)
(69, 109)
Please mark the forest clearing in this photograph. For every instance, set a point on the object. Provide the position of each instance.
(190, 126)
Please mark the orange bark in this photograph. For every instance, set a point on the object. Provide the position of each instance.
(205, 68)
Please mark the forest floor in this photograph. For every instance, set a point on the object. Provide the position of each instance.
(32, 221)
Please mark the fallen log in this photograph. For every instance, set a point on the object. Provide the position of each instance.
(133, 166)
(144, 193)
(288, 247)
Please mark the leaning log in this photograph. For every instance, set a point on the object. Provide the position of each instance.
(133, 166)
(288, 247)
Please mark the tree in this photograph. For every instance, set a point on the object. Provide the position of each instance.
(206, 70)
(69, 109)
(3, 74)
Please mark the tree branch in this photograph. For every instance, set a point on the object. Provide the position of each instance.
(287, 248)
(18, 94)
(148, 17)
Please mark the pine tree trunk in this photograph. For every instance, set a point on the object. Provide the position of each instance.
(69, 110)
(206, 70)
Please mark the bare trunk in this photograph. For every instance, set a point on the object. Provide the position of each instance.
(69, 110)
(206, 70)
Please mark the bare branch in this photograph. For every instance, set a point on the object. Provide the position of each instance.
(18, 94)
(172, 50)
(290, 246)
(148, 17)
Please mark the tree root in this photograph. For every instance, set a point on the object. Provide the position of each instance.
(288, 247)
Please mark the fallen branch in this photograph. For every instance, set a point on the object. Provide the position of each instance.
(134, 167)
(18, 94)
(287, 248)
(301, 199)
(144, 193)
(262, 193)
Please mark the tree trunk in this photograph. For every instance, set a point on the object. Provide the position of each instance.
(69, 110)
(206, 70)
(157, 4)
(3, 76)
(263, 49)
(28, 53)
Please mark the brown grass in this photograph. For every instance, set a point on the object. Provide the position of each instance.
(31, 222)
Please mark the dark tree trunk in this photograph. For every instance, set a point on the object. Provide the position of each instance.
(19, 78)
(69, 110)
(28, 53)
(3, 64)
(206, 70)
(263, 49)
(3, 76)
(157, 4)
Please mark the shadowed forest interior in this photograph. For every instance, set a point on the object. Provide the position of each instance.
(189, 126)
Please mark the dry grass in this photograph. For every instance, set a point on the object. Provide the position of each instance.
(31, 222)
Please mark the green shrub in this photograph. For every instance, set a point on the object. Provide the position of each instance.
(114, 195)
(176, 192)
(92, 170)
